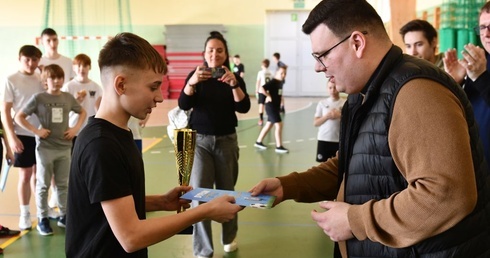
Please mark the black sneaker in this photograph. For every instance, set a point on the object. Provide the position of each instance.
(260, 145)
(281, 149)
(44, 228)
(62, 221)
(6, 232)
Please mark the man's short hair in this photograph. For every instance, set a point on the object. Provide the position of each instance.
(277, 55)
(345, 16)
(49, 32)
(130, 50)
(485, 9)
(82, 59)
(236, 56)
(30, 51)
(429, 31)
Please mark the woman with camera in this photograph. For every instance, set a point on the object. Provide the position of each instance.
(214, 94)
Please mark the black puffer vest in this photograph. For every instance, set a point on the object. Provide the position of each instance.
(372, 174)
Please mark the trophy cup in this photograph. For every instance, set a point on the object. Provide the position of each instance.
(184, 145)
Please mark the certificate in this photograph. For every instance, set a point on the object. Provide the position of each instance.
(245, 199)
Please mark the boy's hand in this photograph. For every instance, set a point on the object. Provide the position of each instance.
(69, 134)
(172, 201)
(222, 209)
(80, 95)
(16, 145)
(43, 133)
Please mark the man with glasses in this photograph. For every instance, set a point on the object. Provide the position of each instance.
(410, 168)
(472, 71)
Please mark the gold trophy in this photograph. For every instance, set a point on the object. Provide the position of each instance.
(184, 145)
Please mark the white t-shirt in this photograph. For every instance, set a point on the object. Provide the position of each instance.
(329, 131)
(64, 62)
(136, 129)
(94, 92)
(264, 76)
(17, 89)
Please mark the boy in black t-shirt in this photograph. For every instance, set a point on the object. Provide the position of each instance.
(106, 201)
(273, 93)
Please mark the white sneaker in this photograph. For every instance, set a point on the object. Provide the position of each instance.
(231, 247)
(25, 222)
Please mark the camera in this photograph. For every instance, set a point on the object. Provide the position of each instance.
(215, 72)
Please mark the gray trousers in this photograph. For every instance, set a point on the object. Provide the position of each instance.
(51, 162)
(215, 164)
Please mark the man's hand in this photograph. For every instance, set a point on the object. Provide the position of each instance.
(474, 61)
(334, 221)
(453, 67)
(270, 186)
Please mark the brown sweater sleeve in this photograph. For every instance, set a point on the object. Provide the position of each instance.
(318, 183)
(429, 142)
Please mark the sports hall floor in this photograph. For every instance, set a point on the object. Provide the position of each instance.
(284, 231)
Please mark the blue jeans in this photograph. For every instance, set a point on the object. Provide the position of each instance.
(215, 164)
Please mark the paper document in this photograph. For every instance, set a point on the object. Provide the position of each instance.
(4, 175)
(241, 198)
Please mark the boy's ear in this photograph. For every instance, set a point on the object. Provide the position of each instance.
(119, 84)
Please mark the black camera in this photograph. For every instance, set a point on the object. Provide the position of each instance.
(215, 72)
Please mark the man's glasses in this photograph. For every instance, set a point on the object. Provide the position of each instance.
(479, 29)
(318, 57)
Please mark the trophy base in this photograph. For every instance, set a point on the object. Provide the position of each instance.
(187, 231)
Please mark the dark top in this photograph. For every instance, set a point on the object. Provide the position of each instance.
(106, 164)
(478, 93)
(213, 106)
(274, 87)
(237, 69)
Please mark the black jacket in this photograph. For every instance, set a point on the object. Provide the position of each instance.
(364, 146)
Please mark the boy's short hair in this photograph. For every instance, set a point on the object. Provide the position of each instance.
(277, 55)
(236, 56)
(49, 32)
(130, 50)
(52, 71)
(30, 51)
(82, 59)
(285, 68)
(266, 63)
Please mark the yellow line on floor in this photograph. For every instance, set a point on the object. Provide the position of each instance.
(13, 239)
(152, 145)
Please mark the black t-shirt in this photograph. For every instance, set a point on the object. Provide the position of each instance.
(274, 87)
(106, 164)
(237, 69)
